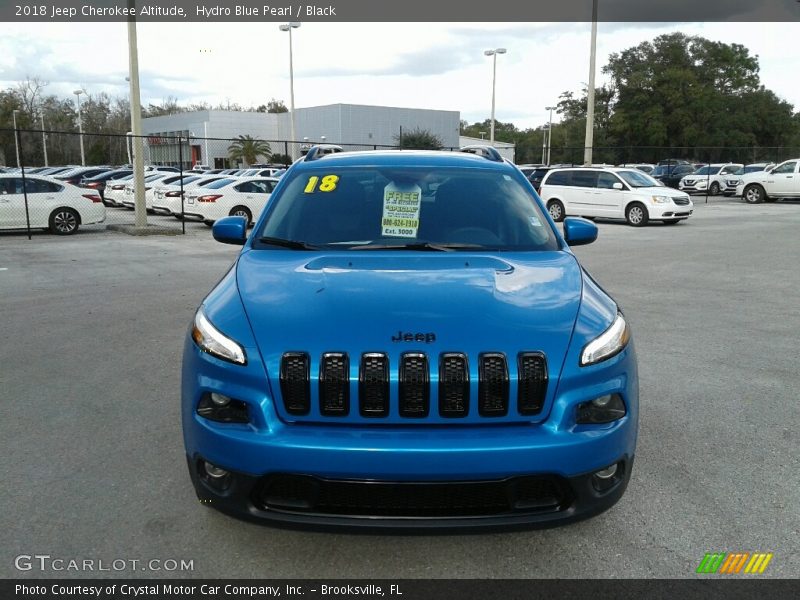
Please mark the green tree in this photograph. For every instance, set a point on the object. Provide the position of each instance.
(281, 159)
(418, 139)
(248, 149)
(276, 106)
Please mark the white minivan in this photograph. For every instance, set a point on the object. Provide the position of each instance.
(612, 193)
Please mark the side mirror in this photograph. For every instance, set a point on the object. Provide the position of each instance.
(617, 186)
(230, 230)
(578, 231)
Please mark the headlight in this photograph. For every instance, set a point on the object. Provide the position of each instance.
(612, 341)
(211, 340)
(661, 199)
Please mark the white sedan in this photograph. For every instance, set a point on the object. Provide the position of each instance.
(168, 197)
(129, 199)
(245, 197)
(115, 191)
(52, 204)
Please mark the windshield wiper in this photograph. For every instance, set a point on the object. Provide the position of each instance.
(423, 246)
(293, 244)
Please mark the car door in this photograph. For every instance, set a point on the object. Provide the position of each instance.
(783, 181)
(582, 197)
(610, 201)
(43, 197)
(12, 203)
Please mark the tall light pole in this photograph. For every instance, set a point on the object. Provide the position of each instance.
(587, 150)
(16, 134)
(288, 27)
(140, 218)
(493, 54)
(80, 125)
(44, 139)
(549, 132)
(544, 143)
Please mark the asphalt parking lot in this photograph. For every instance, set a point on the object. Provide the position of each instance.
(93, 327)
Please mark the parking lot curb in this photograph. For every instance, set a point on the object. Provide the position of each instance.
(147, 230)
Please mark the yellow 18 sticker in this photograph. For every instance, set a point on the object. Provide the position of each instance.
(328, 184)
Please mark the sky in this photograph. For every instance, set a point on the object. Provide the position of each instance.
(415, 65)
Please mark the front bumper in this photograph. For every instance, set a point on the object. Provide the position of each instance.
(556, 449)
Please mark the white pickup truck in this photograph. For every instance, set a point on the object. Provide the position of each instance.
(782, 181)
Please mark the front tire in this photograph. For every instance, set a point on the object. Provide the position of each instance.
(636, 215)
(754, 194)
(556, 210)
(64, 221)
(714, 189)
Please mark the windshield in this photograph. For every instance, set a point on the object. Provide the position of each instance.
(637, 179)
(417, 208)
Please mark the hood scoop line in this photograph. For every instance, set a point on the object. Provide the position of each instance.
(414, 263)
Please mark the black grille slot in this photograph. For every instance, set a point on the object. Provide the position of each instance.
(373, 385)
(334, 384)
(681, 201)
(519, 495)
(532, 385)
(295, 383)
(453, 385)
(492, 385)
(414, 385)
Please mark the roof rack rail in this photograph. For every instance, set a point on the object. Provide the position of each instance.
(489, 152)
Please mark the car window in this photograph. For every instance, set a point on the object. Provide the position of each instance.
(11, 185)
(583, 178)
(373, 208)
(637, 179)
(607, 180)
(40, 186)
(787, 167)
(557, 178)
(215, 185)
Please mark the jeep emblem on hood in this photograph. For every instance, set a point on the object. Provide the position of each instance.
(407, 336)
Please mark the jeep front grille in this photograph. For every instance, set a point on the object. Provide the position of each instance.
(408, 381)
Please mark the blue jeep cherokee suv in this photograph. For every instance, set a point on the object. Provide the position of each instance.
(407, 340)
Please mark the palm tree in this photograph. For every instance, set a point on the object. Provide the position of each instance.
(248, 149)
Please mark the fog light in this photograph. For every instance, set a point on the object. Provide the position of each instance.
(603, 474)
(214, 471)
(607, 478)
(219, 399)
(219, 407)
(603, 409)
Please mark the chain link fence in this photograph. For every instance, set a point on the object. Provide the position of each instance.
(74, 180)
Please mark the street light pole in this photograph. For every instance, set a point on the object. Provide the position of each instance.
(544, 143)
(140, 218)
(493, 54)
(80, 125)
(549, 133)
(44, 140)
(589, 141)
(16, 134)
(288, 27)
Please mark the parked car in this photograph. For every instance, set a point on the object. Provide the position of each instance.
(613, 193)
(163, 168)
(167, 197)
(710, 178)
(75, 176)
(99, 182)
(51, 171)
(52, 204)
(406, 340)
(671, 175)
(150, 178)
(782, 181)
(731, 181)
(115, 190)
(245, 197)
(149, 191)
(537, 175)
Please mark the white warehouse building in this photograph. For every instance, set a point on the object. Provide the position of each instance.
(356, 127)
